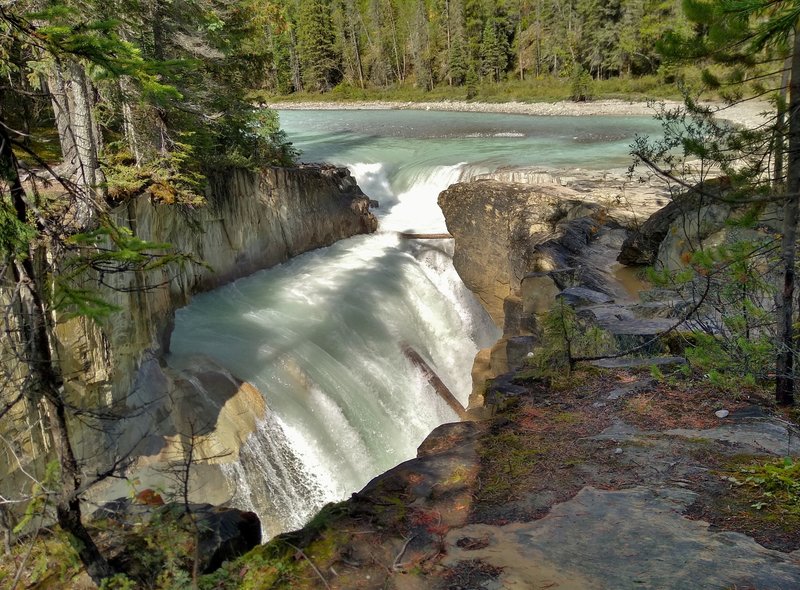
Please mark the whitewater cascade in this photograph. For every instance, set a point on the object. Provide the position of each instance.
(321, 336)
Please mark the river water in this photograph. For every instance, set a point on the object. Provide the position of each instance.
(321, 336)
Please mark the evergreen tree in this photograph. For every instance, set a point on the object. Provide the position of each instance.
(743, 37)
(316, 45)
(493, 51)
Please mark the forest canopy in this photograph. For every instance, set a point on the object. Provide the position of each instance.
(135, 96)
(313, 45)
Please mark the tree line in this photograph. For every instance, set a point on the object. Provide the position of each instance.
(313, 45)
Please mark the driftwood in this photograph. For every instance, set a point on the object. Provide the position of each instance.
(413, 236)
(433, 379)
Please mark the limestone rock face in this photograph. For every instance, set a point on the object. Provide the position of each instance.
(505, 231)
(250, 221)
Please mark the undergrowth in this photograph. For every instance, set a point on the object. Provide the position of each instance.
(774, 486)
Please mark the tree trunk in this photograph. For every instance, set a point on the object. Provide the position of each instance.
(297, 79)
(351, 17)
(83, 127)
(58, 98)
(129, 121)
(784, 382)
(779, 143)
(45, 383)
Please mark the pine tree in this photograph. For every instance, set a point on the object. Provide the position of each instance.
(316, 45)
(493, 51)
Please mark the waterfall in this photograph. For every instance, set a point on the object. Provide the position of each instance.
(321, 336)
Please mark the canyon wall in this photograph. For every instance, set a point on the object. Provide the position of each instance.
(250, 221)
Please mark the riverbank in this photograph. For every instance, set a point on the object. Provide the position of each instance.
(749, 114)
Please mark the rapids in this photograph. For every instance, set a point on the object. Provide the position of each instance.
(321, 334)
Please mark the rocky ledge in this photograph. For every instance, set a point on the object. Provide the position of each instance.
(572, 485)
(614, 475)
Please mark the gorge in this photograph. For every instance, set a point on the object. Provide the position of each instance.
(321, 336)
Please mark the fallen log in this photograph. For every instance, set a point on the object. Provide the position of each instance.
(413, 236)
(437, 384)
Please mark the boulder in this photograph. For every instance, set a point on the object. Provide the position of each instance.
(223, 533)
(503, 232)
(688, 218)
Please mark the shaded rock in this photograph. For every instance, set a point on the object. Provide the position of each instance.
(625, 539)
(204, 401)
(640, 334)
(578, 296)
(607, 314)
(538, 291)
(698, 218)
(223, 533)
(631, 363)
(642, 246)
(501, 392)
(518, 348)
(515, 319)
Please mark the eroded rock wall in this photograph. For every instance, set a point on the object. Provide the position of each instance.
(251, 221)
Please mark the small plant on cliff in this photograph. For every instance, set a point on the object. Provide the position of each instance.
(727, 287)
(566, 338)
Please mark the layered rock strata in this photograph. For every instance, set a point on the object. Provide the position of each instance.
(250, 221)
(517, 247)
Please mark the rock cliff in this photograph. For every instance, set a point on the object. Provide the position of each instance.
(251, 221)
(517, 246)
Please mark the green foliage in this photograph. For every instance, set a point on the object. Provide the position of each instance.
(49, 562)
(776, 484)
(435, 43)
(315, 45)
(118, 582)
(733, 340)
(15, 236)
(252, 139)
(40, 495)
(567, 338)
(580, 85)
